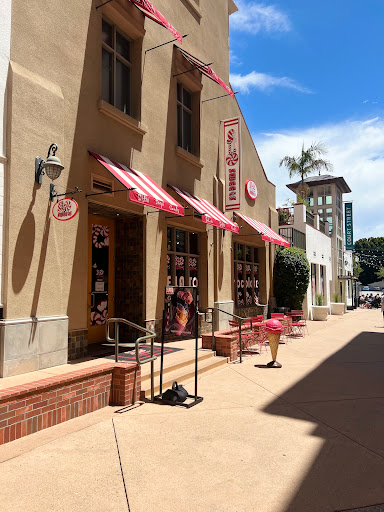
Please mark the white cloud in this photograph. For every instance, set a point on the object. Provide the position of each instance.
(254, 17)
(355, 148)
(263, 82)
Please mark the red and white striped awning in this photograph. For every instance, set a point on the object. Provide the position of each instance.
(151, 12)
(265, 231)
(209, 213)
(206, 70)
(147, 192)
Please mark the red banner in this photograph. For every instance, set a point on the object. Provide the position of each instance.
(155, 15)
(232, 164)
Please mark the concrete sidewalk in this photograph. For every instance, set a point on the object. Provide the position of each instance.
(307, 437)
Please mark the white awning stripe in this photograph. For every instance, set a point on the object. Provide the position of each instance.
(146, 191)
(266, 232)
(210, 214)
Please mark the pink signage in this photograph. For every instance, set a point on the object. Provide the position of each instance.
(232, 164)
(65, 209)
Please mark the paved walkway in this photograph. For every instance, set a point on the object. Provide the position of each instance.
(304, 438)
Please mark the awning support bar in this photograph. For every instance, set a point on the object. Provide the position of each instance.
(105, 3)
(110, 192)
(193, 69)
(217, 97)
(159, 45)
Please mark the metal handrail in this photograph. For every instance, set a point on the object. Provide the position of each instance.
(151, 335)
(241, 319)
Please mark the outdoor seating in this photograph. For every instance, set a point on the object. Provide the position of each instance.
(287, 329)
(248, 338)
(299, 324)
(277, 315)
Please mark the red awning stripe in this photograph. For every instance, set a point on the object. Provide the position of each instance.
(210, 214)
(151, 12)
(265, 231)
(206, 70)
(147, 191)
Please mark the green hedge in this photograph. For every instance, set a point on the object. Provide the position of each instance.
(292, 273)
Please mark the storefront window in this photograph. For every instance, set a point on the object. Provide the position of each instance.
(246, 275)
(183, 258)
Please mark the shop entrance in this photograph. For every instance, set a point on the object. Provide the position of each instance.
(116, 271)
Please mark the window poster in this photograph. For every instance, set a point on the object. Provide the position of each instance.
(180, 311)
(193, 272)
(240, 285)
(180, 270)
(256, 284)
(248, 296)
(100, 262)
(169, 271)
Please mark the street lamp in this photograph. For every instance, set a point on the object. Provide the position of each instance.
(52, 166)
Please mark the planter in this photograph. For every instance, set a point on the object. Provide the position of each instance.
(320, 312)
(337, 308)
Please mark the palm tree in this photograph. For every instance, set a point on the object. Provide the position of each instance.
(309, 161)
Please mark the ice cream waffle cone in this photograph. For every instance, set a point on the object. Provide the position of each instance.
(273, 339)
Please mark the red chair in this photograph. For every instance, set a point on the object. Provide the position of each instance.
(298, 322)
(246, 337)
(249, 338)
(277, 315)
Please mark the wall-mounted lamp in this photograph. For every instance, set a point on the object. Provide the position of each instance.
(52, 166)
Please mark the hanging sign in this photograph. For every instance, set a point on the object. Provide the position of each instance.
(65, 209)
(348, 227)
(232, 164)
(180, 311)
(251, 189)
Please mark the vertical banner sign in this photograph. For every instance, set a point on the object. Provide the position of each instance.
(180, 311)
(232, 163)
(348, 227)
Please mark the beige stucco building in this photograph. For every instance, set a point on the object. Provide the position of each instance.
(80, 76)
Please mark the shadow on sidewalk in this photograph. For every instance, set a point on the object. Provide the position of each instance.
(344, 398)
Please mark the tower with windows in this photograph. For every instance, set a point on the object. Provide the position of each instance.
(325, 197)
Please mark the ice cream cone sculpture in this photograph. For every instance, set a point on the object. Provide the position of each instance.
(273, 329)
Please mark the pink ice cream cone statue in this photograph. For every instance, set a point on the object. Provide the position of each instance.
(273, 329)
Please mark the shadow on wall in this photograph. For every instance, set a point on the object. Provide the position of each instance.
(344, 398)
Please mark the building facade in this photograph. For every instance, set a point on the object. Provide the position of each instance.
(307, 232)
(325, 198)
(126, 112)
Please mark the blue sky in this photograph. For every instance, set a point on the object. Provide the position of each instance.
(315, 72)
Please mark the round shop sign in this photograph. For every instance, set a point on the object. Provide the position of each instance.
(65, 209)
(251, 189)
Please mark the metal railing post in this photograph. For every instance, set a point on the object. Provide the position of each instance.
(240, 341)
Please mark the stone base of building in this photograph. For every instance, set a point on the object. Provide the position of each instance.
(30, 344)
(77, 344)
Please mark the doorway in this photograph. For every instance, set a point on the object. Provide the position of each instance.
(101, 276)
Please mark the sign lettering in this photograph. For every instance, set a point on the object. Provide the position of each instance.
(232, 159)
(348, 227)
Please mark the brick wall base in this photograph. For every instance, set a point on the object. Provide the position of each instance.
(77, 344)
(226, 343)
(38, 405)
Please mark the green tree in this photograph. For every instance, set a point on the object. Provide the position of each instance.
(306, 163)
(370, 255)
(292, 273)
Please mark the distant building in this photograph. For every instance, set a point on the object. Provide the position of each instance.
(326, 199)
(305, 231)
